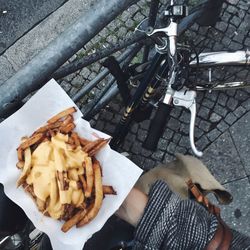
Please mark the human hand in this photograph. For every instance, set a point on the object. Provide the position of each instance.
(133, 207)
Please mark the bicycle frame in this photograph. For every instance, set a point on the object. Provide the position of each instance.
(211, 59)
(222, 58)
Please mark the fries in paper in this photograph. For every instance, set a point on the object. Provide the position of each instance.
(60, 172)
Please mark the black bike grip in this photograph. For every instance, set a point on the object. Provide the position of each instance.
(157, 126)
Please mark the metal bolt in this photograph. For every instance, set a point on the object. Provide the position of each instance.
(176, 101)
(5, 11)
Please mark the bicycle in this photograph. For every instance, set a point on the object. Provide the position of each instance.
(38, 76)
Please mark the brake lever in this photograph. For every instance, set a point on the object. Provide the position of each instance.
(186, 98)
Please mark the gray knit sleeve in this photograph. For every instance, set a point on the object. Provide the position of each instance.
(171, 223)
(240, 241)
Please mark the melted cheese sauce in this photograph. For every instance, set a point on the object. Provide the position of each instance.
(48, 158)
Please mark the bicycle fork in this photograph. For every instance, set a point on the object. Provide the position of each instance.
(142, 90)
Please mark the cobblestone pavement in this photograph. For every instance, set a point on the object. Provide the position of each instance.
(222, 116)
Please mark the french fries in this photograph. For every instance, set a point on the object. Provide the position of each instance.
(31, 141)
(89, 176)
(60, 172)
(98, 196)
(74, 220)
(108, 190)
(62, 114)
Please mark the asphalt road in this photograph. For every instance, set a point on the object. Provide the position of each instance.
(19, 16)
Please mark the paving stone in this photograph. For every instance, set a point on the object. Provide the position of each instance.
(138, 160)
(235, 21)
(77, 82)
(134, 128)
(222, 111)
(131, 138)
(146, 152)
(198, 132)
(231, 31)
(167, 158)
(173, 124)
(235, 46)
(116, 107)
(116, 118)
(222, 99)
(73, 91)
(65, 85)
(237, 213)
(243, 5)
(184, 129)
(231, 92)
(204, 125)
(141, 135)
(212, 96)
(176, 112)
(222, 126)
(222, 26)
(247, 41)
(168, 133)
(239, 38)
(202, 143)
(158, 155)
(110, 128)
(171, 148)
(107, 115)
(203, 112)
(226, 16)
(148, 164)
(241, 14)
(185, 117)
(240, 132)
(162, 144)
(127, 146)
(226, 41)
(125, 16)
(222, 158)
(212, 135)
(200, 97)
(208, 103)
(145, 124)
(232, 103)
(246, 104)
(181, 150)
(241, 95)
(184, 142)
(215, 117)
(230, 118)
(176, 138)
(239, 111)
(136, 148)
(100, 125)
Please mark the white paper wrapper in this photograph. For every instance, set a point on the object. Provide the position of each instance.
(118, 171)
